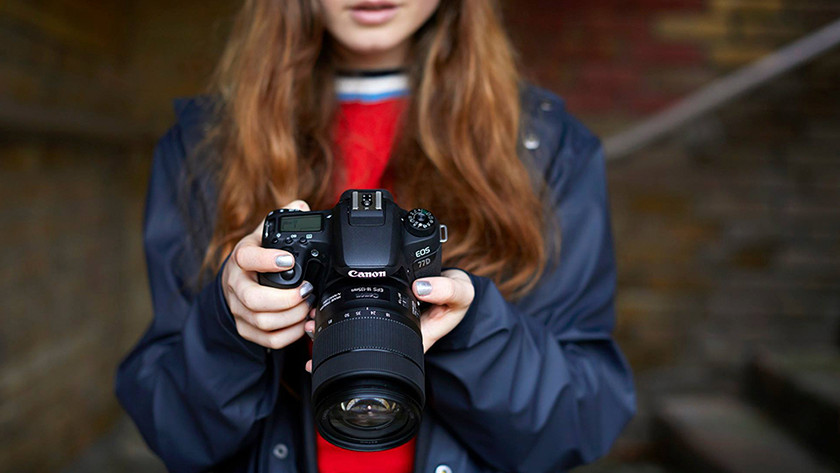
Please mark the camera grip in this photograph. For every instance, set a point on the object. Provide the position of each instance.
(288, 279)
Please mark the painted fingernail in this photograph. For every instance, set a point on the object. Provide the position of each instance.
(284, 261)
(311, 334)
(305, 289)
(424, 288)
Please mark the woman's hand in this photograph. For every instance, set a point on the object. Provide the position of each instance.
(267, 316)
(451, 293)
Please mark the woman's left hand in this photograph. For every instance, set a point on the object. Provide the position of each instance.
(451, 295)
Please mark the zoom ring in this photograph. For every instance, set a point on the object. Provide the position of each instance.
(367, 332)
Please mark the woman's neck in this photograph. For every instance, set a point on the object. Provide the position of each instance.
(375, 60)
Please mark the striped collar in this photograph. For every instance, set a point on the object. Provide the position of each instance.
(371, 87)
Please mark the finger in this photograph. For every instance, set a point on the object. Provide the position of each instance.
(259, 298)
(308, 366)
(267, 321)
(309, 328)
(272, 321)
(252, 257)
(298, 205)
(274, 340)
(238, 310)
(286, 336)
(445, 290)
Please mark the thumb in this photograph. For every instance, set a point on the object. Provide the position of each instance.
(451, 291)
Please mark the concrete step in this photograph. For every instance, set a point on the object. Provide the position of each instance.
(722, 434)
(802, 392)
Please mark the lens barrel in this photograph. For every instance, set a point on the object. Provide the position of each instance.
(368, 374)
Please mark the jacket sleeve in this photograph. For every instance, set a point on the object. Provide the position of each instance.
(540, 385)
(196, 390)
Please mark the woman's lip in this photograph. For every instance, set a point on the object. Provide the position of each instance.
(373, 13)
(371, 4)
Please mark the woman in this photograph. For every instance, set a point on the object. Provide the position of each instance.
(521, 369)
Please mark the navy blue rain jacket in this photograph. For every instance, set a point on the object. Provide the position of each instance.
(537, 385)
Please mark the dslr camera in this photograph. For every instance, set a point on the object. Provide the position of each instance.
(362, 256)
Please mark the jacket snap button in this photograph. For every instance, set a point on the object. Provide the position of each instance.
(281, 451)
(443, 469)
(546, 106)
(531, 141)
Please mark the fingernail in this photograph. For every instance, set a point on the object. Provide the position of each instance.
(424, 288)
(305, 289)
(284, 261)
(309, 331)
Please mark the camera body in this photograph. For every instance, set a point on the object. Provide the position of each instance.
(362, 256)
(365, 236)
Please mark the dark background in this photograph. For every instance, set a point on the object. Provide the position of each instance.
(727, 233)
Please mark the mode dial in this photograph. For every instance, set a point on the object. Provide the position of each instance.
(420, 222)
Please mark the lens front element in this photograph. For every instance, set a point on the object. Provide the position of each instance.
(368, 415)
(362, 413)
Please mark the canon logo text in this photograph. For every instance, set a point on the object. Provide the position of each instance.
(366, 274)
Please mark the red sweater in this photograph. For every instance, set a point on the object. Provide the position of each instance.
(364, 134)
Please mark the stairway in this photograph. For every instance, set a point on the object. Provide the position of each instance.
(787, 421)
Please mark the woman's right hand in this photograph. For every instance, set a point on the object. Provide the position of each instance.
(267, 316)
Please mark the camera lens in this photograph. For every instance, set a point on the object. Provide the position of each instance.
(367, 377)
(364, 413)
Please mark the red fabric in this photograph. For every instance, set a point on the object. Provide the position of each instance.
(365, 133)
(332, 459)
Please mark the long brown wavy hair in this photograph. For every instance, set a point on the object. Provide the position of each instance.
(456, 153)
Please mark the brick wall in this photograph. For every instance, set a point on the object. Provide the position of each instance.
(727, 234)
(606, 57)
(64, 54)
(616, 61)
(72, 277)
(71, 293)
(731, 242)
(173, 52)
(706, 269)
(67, 251)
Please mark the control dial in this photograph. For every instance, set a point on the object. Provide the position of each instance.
(420, 222)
